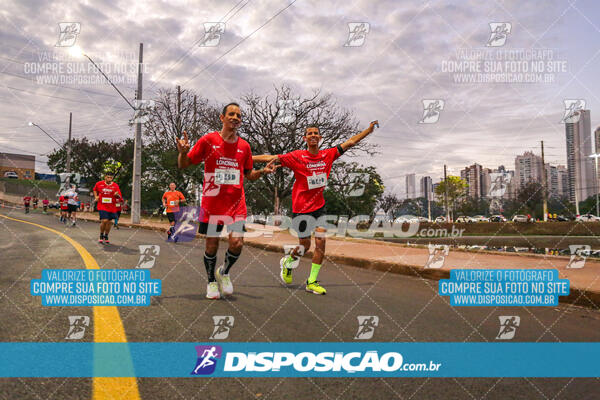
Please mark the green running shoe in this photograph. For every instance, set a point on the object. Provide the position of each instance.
(315, 288)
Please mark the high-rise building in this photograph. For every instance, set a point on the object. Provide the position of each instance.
(528, 168)
(552, 180)
(579, 163)
(410, 186)
(563, 181)
(426, 186)
(473, 174)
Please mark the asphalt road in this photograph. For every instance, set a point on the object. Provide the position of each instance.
(408, 308)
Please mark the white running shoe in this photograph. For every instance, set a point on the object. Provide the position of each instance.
(224, 282)
(212, 291)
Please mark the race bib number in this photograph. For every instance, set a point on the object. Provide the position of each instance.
(172, 203)
(317, 181)
(106, 200)
(227, 176)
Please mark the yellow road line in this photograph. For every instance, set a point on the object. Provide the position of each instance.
(108, 327)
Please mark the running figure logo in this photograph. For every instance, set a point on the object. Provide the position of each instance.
(358, 33)
(68, 32)
(437, 255)
(223, 324)
(579, 253)
(186, 224)
(287, 111)
(210, 188)
(366, 326)
(148, 255)
(573, 108)
(142, 111)
(358, 183)
(207, 359)
(431, 110)
(499, 34)
(77, 325)
(499, 183)
(508, 327)
(212, 34)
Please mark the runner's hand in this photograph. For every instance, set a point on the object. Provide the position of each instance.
(271, 167)
(183, 145)
(373, 125)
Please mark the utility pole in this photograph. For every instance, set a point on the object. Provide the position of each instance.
(446, 195)
(137, 154)
(178, 119)
(545, 185)
(69, 145)
(194, 127)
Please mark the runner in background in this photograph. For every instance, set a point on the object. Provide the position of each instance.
(35, 202)
(105, 194)
(45, 203)
(72, 204)
(64, 208)
(171, 200)
(26, 202)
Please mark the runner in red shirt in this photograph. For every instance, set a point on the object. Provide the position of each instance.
(106, 193)
(45, 203)
(26, 201)
(311, 170)
(64, 208)
(227, 161)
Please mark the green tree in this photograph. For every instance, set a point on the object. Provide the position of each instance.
(456, 191)
(88, 158)
(344, 197)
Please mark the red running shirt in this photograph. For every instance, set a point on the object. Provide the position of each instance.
(224, 167)
(107, 196)
(62, 201)
(311, 173)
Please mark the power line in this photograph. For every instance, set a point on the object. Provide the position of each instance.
(240, 42)
(60, 98)
(57, 85)
(193, 46)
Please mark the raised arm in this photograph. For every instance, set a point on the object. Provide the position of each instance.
(183, 147)
(360, 136)
(264, 158)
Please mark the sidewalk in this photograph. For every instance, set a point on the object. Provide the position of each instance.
(410, 260)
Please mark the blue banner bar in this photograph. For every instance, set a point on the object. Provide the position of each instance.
(292, 359)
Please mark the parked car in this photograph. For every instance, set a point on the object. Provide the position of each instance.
(587, 218)
(522, 218)
(479, 218)
(562, 218)
(463, 219)
(11, 175)
(54, 204)
(440, 219)
(497, 218)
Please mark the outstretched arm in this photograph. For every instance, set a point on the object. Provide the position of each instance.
(257, 173)
(264, 158)
(360, 136)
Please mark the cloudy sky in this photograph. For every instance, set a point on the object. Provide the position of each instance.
(411, 52)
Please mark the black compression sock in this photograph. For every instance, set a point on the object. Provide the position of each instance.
(209, 263)
(230, 259)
